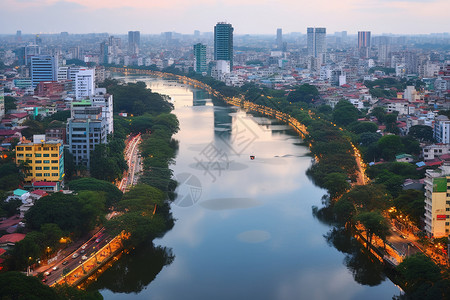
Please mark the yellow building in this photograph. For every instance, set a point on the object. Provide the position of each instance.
(45, 159)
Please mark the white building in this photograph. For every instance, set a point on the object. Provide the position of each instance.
(220, 68)
(442, 129)
(431, 152)
(84, 84)
(105, 101)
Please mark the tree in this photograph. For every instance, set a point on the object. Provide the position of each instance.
(113, 194)
(336, 184)
(61, 209)
(304, 93)
(390, 146)
(379, 112)
(368, 197)
(367, 138)
(363, 127)
(15, 285)
(344, 113)
(411, 203)
(421, 277)
(374, 223)
(422, 132)
(10, 103)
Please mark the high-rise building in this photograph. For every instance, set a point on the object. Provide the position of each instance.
(44, 157)
(134, 42)
(316, 41)
(200, 58)
(223, 42)
(84, 84)
(43, 68)
(85, 129)
(363, 39)
(19, 36)
(279, 38)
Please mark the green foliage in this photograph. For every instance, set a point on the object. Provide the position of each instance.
(412, 204)
(10, 103)
(421, 278)
(390, 146)
(363, 127)
(374, 223)
(345, 113)
(112, 193)
(15, 285)
(304, 93)
(336, 184)
(422, 133)
(368, 197)
(367, 138)
(139, 204)
(108, 162)
(136, 98)
(33, 127)
(72, 293)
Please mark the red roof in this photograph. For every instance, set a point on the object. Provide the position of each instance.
(12, 238)
(40, 193)
(2, 251)
(44, 183)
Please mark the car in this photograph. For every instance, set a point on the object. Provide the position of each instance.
(75, 255)
(65, 262)
(55, 268)
(82, 251)
(84, 257)
(47, 273)
(402, 236)
(84, 247)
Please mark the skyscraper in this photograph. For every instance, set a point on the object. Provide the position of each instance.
(200, 58)
(316, 41)
(364, 43)
(279, 38)
(223, 42)
(363, 39)
(43, 68)
(134, 42)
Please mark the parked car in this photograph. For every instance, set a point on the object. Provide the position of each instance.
(75, 255)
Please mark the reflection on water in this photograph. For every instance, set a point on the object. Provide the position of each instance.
(134, 271)
(248, 232)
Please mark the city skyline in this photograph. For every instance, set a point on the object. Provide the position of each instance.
(249, 17)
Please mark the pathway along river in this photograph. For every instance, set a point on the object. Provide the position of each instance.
(245, 228)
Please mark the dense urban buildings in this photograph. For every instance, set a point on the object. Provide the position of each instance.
(134, 42)
(200, 58)
(316, 41)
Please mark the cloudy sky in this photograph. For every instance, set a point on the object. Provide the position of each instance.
(247, 16)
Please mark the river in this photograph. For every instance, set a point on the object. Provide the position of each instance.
(245, 227)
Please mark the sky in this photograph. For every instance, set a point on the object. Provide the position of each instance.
(247, 16)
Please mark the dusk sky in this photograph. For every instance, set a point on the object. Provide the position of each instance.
(247, 16)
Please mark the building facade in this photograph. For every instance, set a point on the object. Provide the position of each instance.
(134, 42)
(84, 84)
(437, 202)
(316, 41)
(223, 42)
(43, 68)
(441, 129)
(45, 159)
(200, 58)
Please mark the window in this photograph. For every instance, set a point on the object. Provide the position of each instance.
(19, 154)
(46, 174)
(54, 155)
(20, 160)
(55, 174)
(46, 168)
(38, 174)
(54, 161)
(38, 168)
(447, 223)
(19, 148)
(45, 148)
(54, 168)
(28, 148)
(38, 161)
(46, 161)
(38, 155)
(46, 155)
(29, 155)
